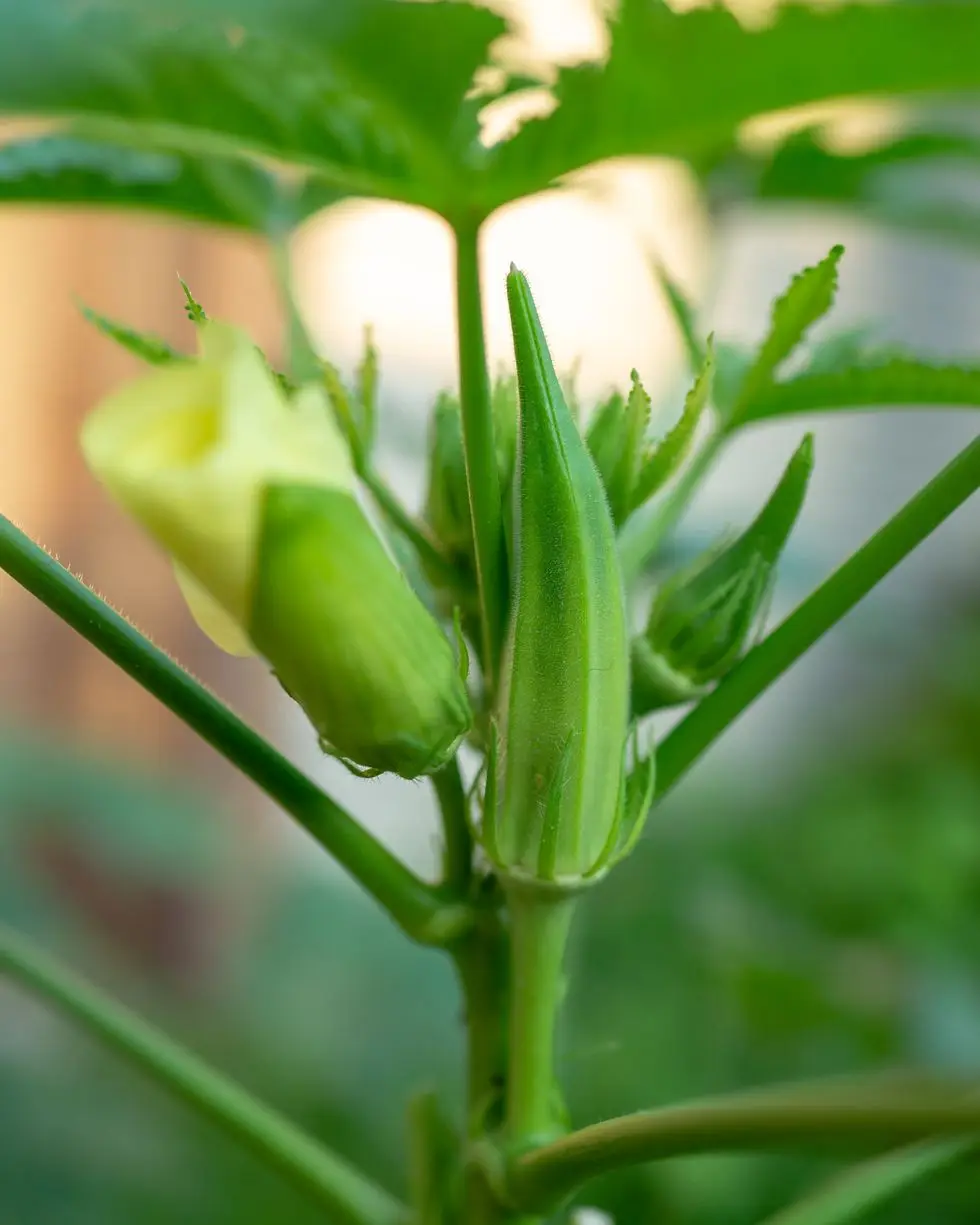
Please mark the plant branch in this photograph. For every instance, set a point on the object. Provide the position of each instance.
(346, 1194)
(831, 601)
(482, 477)
(861, 1113)
(457, 858)
(399, 518)
(416, 906)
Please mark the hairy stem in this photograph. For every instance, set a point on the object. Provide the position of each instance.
(343, 1192)
(416, 906)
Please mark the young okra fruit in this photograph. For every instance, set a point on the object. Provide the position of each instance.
(253, 494)
(556, 795)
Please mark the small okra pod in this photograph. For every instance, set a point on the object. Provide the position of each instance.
(564, 696)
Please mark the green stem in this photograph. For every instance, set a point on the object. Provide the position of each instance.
(539, 925)
(417, 907)
(481, 963)
(796, 1117)
(934, 503)
(342, 1191)
(433, 1147)
(457, 852)
(647, 529)
(482, 477)
(399, 518)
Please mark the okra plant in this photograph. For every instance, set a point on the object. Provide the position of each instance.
(517, 665)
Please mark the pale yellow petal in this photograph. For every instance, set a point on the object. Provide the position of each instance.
(211, 617)
(190, 449)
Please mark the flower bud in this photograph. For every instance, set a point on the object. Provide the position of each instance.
(555, 792)
(447, 510)
(254, 497)
(702, 619)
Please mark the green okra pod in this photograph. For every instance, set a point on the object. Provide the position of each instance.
(555, 801)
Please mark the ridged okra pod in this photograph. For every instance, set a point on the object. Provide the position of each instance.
(554, 802)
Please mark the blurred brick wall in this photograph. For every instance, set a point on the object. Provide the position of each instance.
(53, 368)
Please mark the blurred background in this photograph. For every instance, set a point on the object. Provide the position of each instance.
(806, 904)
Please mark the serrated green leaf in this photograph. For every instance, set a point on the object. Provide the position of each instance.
(899, 382)
(145, 346)
(351, 89)
(67, 169)
(664, 458)
(866, 1187)
(678, 84)
(809, 296)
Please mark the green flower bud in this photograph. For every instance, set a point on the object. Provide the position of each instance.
(702, 620)
(447, 510)
(254, 497)
(556, 791)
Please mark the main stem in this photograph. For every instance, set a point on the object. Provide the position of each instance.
(539, 933)
(482, 477)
